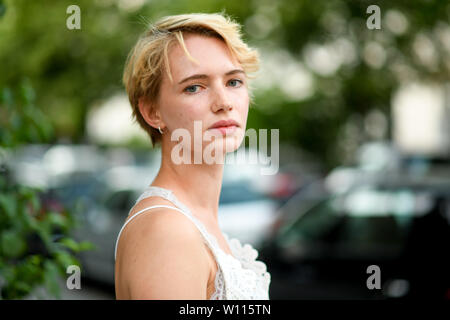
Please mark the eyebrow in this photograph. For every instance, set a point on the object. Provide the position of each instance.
(204, 76)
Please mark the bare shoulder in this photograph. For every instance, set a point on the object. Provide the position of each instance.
(161, 255)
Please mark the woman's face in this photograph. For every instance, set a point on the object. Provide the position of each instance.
(218, 91)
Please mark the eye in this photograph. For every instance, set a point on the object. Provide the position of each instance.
(191, 89)
(235, 82)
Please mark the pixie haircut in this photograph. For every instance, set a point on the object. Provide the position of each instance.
(149, 58)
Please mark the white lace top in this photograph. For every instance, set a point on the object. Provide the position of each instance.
(239, 276)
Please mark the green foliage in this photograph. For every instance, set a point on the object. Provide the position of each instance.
(35, 243)
(2, 8)
(21, 121)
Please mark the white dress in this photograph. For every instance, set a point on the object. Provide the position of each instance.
(239, 276)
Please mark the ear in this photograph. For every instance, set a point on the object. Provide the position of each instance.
(150, 113)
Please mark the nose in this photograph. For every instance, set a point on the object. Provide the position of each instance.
(226, 107)
(221, 101)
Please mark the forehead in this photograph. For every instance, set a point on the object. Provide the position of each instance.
(212, 54)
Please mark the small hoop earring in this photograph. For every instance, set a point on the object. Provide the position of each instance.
(159, 128)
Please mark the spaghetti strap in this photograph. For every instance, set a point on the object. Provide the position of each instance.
(142, 211)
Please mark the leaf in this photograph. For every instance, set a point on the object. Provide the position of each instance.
(70, 243)
(25, 192)
(51, 276)
(77, 246)
(86, 245)
(23, 287)
(35, 259)
(8, 273)
(57, 219)
(27, 92)
(12, 243)
(65, 259)
(8, 204)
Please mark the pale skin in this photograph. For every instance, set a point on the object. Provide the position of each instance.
(162, 255)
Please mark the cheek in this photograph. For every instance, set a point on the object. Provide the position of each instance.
(243, 96)
(243, 104)
(181, 113)
(186, 114)
(192, 112)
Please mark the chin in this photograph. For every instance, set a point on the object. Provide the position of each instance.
(226, 145)
(232, 143)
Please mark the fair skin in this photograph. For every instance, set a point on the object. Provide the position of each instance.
(155, 261)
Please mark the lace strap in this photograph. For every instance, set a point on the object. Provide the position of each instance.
(163, 193)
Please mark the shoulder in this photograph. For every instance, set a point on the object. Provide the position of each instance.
(157, 222)
(164, 248)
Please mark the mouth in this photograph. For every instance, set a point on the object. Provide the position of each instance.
(225, 129)
(224, 123)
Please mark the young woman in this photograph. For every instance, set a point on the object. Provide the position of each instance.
(187, 77)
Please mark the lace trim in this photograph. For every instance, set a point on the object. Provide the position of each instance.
(242, 283)
(247, 255)
(243, 262)
(219, 286)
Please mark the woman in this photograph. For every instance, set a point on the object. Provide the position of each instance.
(188, 70)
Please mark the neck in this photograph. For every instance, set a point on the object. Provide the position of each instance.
(196, 185)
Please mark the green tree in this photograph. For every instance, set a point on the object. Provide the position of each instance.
(35, 243)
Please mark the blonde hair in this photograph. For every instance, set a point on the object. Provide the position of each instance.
(149, 58)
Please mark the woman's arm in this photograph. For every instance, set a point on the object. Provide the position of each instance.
(163, 257)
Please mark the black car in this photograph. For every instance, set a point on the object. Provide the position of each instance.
(339, 245)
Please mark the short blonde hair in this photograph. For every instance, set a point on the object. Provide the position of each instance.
(149, 58)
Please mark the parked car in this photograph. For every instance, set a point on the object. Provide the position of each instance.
(323, 242)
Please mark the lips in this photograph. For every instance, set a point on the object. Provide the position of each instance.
(224, 124)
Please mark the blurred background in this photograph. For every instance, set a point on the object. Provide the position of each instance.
(364, 120)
